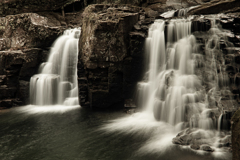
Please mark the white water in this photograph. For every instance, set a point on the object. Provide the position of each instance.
(56, 82)
(179, 13)
(174, 95)
(174, 90)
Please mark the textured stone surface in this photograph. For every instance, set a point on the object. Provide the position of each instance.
(16, 68)
(207, 148)
(28, 30)
(236, 135)
(23, 40)
(107, 57)
(216, 6)
(11, 7)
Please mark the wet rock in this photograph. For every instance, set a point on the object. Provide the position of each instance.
(11, 7)
(130, 111)
(180, 133)
(236, 135)
(148, 21)
(29, 30)
(7, 103)
(182, 140)
(226, 141)
(207, 148)
(195, 146)
(135, 2)
(226, 117)
(104, 52)
(215, 7)
(23, 92)
(141, 34)
(200, 24)
(129, 103)
(112, 45)
(16, 68)
(177, 140)
(151, 13)
(137, 27)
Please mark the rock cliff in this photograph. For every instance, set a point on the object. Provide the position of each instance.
(24, 41)
(12, 7)
(104, 53)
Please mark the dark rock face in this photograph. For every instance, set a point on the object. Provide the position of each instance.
(11, 7)
(24, 38)
(195, 146)
(236, 135)
(207, 148)
(16, 68)
(108, 55)
(216, 6)
(133, 2)
(28, 30)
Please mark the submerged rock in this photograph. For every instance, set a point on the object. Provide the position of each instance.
(195, 146)
(11, 7)
(182, 140)
(207, 148)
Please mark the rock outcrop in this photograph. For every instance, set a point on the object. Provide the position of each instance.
(105, 54)
(24, 40)
(28, 30)
(216, 6)
(16, 69)
(236, 135)
(12, 7)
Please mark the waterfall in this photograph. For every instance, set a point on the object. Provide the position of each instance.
(56, 82)
(183, 91)
(171, 83)
(174, 91)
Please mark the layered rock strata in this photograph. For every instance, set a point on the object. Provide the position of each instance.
(24, 41)
(104, 55)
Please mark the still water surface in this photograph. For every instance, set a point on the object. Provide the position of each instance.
(28, 134)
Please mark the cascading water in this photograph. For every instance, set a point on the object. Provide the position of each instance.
(182, 90)
(171, 83)
(56, 82)
(174, 89)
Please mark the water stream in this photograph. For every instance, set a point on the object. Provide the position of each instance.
(56, 82)
(179, 93)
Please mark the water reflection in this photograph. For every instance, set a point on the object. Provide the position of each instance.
(78, 134)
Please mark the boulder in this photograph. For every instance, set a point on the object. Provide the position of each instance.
(195, 146)
(207, 148)
(104, 53)
(29, 30)
(182, 140)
